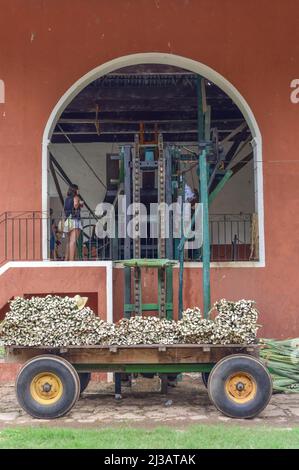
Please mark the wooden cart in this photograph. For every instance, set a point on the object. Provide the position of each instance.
(51, 379)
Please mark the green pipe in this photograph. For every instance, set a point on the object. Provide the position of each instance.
(137, 368)
(122, 166)
(220, 185)
(181, 306)
(206, 232)
(200, 114)
(169, 293)
(185, 237)
(181, 256)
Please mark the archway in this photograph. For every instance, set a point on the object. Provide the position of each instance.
(171, 60)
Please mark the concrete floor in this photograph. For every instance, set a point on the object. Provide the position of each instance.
(143, 405)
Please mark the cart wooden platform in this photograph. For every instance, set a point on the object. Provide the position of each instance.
(51, 379)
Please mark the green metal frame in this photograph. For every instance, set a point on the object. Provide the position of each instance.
(203, 166)
(169, 293)
(150, 307)
(166, 273)
(228, 174)
(147, 263)
(204, 198)
(138, 368)
(181, 255)
(164, 268)
(200, 113)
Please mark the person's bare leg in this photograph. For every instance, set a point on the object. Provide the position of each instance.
(74, 235)
(67, 248)
(77, 234)
(72, 245)
(78, 231)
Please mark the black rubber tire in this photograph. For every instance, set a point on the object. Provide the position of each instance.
(68, 377)
(237, 363)
(84, 378)
(205, 378)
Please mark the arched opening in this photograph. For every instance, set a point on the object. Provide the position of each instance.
(159, 94)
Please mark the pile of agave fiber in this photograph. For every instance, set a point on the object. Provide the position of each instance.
(59, 321)
(282, 360)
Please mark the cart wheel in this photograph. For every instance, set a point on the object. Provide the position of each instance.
(47, 387)
(84, 378)
(205, 378)
(240, 386)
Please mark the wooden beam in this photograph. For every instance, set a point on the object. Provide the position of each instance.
(233, 150)
(236, 168)
(124, 138)
(153, 116)
(245, 142)
(236, 131)
(140, 354)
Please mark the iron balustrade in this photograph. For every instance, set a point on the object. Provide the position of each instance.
(21, 238)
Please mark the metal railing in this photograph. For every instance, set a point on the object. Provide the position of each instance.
(21, 236)
(21, 239)
(230, 237)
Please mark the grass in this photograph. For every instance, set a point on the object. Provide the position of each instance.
(193, 437)
(1, 345)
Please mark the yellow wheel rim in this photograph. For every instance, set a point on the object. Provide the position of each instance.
(46, 388)
(240, 387)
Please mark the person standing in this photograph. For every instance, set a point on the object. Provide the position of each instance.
(191, 197)
(72, 210)
(52, 236)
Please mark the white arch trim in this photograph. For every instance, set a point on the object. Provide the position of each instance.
(166, 59)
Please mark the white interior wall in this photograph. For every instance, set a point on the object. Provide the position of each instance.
(237, 196)
(79, 173)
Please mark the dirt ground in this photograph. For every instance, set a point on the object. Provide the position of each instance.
(143, 405)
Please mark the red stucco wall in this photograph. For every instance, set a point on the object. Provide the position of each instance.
(278, 318)
(86, 281)
(45, 46)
